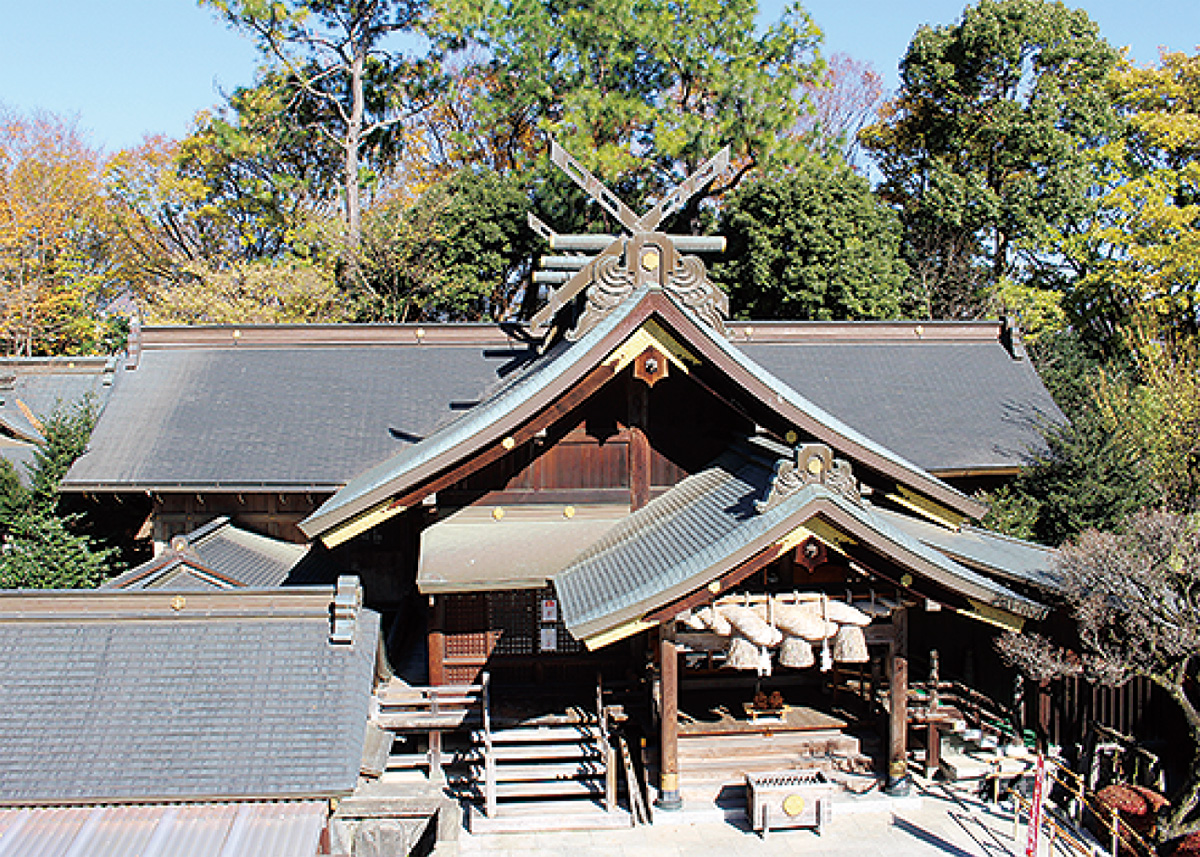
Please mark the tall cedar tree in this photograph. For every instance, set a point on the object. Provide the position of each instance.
(38, 548)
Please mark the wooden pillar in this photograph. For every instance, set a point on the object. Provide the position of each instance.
(437, 676)
(668, 794)
(639, 444)
(897, 780)
(437, 640)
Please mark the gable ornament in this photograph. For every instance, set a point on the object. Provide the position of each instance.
(810, 464)
(601, 271)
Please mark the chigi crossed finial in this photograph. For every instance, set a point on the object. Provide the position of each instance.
(605, 269)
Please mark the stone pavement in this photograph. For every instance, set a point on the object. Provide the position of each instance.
(937, 820)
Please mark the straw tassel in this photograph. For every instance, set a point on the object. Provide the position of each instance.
(742, 654)
(850, 645)
(796, 652)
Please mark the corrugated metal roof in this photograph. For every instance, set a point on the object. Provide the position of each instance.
(521, 548)
(137, 696)
(247, 829)
(706, 525)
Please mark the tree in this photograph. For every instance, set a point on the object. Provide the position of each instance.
(1138, 256)
(1142, 405)
(983, 148)
(811, 243)
(38, 548)
(461, 251)
(847, 96)
(53, 260)
(337, 79)
(1135, 600)
(641, 92)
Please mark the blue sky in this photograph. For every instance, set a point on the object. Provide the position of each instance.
(129, 68)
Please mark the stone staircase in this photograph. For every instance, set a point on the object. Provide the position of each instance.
(973, 754)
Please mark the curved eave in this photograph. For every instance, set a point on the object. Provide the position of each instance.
(783, 528)
(519, 405)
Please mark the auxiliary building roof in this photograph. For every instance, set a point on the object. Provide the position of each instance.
(220, 555)
(145, 697)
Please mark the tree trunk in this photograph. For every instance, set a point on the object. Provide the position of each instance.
(1172, 822)
(351, 145)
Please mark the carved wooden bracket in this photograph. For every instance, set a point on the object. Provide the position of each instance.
(811, 464)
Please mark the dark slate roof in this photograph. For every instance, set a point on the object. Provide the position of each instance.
(708, 524)
(151, 696)
(514, 400)
(42, 385)
(220, 555)
(298, 407)
(288, 416)
(946, 404)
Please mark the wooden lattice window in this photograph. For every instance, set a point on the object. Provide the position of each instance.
(512, 614)
(468, 632)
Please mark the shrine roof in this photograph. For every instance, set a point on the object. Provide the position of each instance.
(220, 555)
(709, 524)
(117, 696)
(297, 407)
(556, 372)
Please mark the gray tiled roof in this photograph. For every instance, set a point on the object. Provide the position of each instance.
(943, 405)
(285, 417)
(706, 525)
(43, 384)
(1013, 559)
(119, 697)
(291, 414)
(237, 557)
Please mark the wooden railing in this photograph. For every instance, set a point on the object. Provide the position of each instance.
(434, 710)
(1119, 836)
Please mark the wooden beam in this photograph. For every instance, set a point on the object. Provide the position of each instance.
(437, 640)
(898, 726)
(639, 444)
